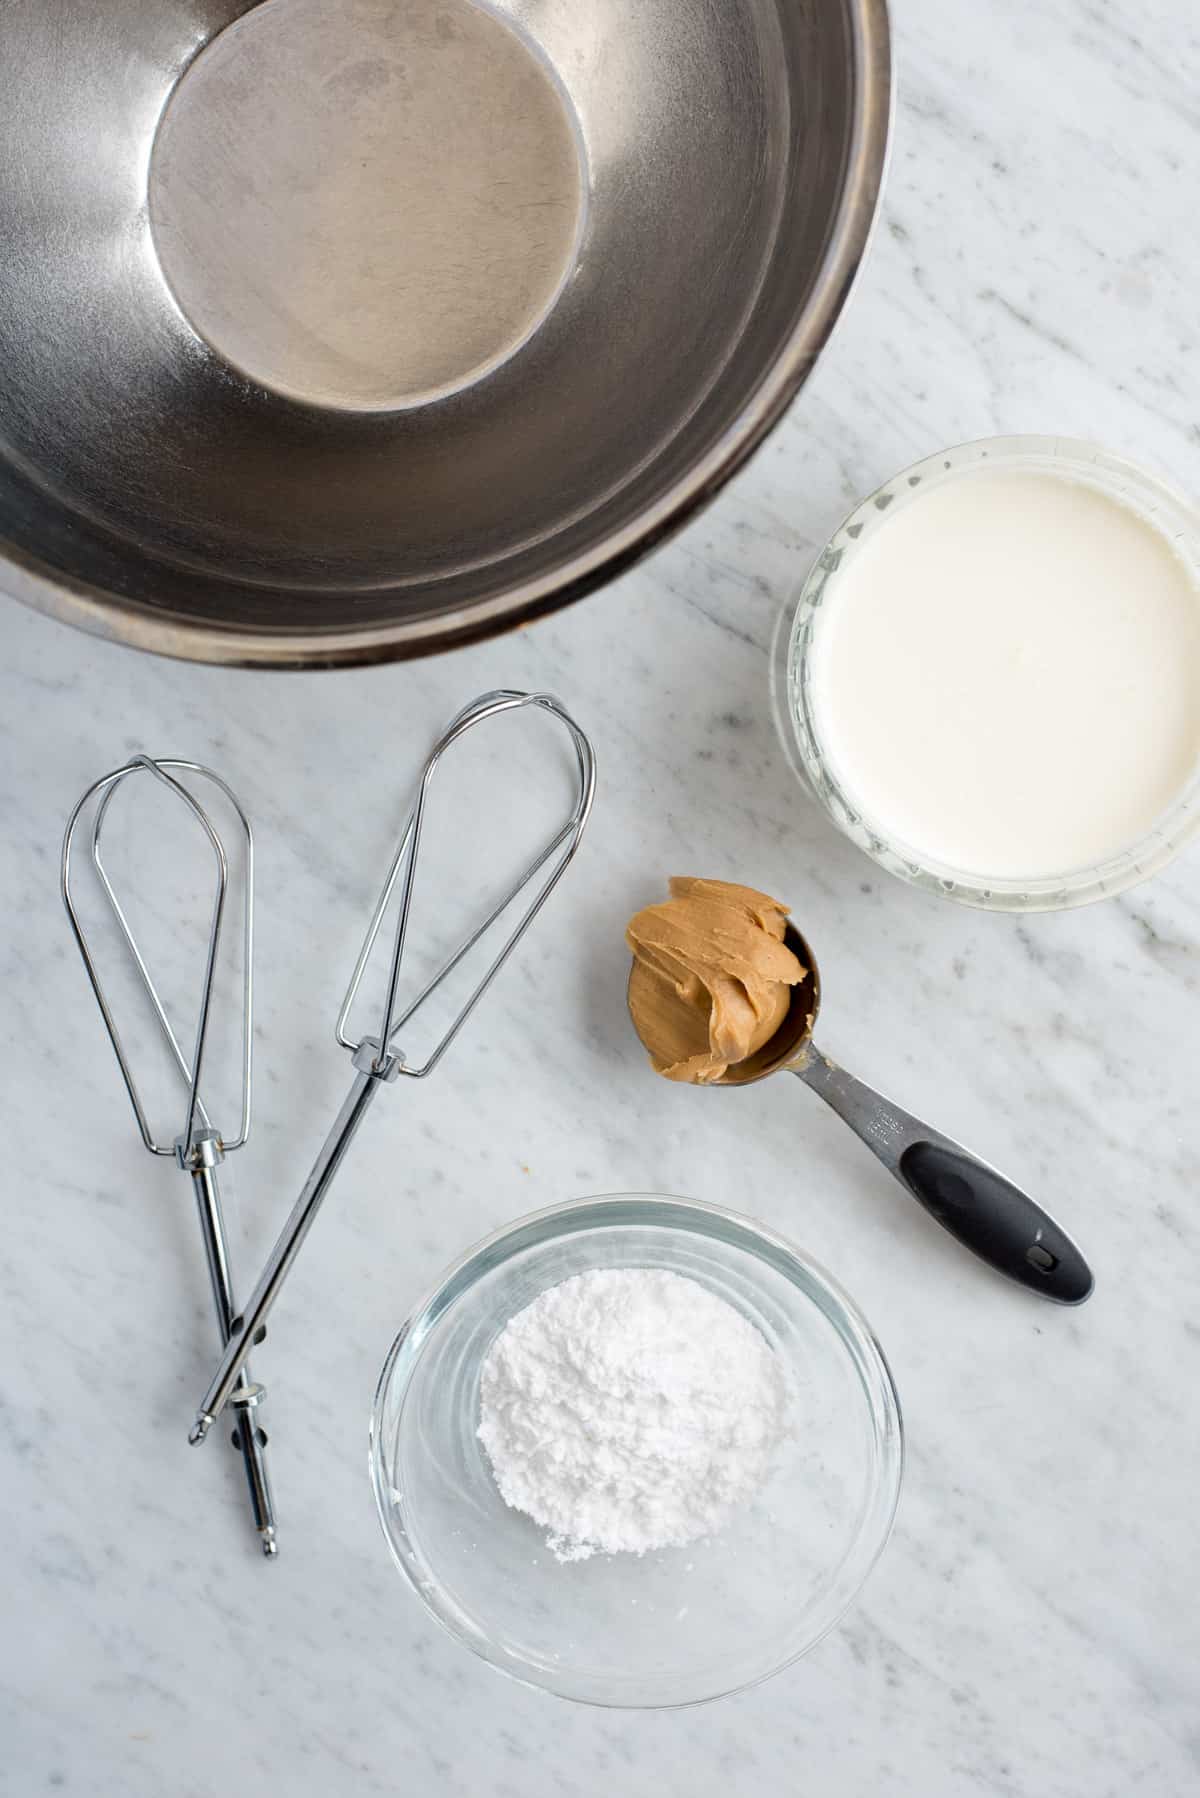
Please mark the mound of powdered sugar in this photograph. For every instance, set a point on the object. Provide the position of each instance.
(629, 1409)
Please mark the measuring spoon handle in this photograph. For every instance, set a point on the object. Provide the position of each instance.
(987, 1213)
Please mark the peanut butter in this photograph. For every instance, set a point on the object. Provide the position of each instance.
(711, 979)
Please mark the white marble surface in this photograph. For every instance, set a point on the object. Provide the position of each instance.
(1032, 1629)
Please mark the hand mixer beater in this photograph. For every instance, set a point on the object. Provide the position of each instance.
(200, 1147)
(376, 1061)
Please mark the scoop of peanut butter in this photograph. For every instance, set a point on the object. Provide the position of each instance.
(711, 977)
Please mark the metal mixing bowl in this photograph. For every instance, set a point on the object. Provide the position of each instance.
(152, 493)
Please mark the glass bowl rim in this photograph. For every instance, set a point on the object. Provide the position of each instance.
(693, 1217)
(1139, 861)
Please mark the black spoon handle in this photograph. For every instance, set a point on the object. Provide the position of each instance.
(987, 1213)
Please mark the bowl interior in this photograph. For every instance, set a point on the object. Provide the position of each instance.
(138, 463)
(682, 1624)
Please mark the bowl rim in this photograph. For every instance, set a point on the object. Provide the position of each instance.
(691, 1216)
(121, 619)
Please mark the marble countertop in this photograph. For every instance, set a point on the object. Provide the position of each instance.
(1031, 1629)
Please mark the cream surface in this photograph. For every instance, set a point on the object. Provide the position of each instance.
(1006, 675)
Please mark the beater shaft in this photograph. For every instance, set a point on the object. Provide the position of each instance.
(249, 1437)
(224, 1384)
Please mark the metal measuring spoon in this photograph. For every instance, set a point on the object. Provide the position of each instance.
(987, 1213)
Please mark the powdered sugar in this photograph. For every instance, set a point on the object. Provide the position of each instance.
(629, 1409)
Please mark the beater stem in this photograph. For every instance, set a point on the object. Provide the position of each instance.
(201, 1162)
(367, 1082)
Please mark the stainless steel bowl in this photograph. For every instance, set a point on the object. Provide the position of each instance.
(153, 492)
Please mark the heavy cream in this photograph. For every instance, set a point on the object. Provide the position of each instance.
(1005, 674)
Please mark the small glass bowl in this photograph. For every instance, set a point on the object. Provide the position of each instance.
(796, 714)
(683, 1624)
